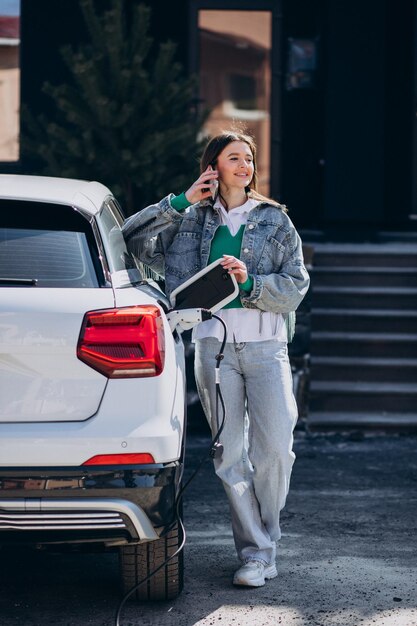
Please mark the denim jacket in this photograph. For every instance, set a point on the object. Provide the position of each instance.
(176, 245)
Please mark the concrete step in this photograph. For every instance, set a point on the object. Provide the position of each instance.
(368, 345)
(363, 397)
(364, 320)
(360, 255)
(364, 298)
(364, 335)
(364, 369)
(345, 237)
(339, 420)
(327, 276)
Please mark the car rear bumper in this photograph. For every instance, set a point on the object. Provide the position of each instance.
(110, 505)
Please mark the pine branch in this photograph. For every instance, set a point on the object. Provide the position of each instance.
(126, 117)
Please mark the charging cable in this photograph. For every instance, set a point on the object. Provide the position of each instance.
(185, 318)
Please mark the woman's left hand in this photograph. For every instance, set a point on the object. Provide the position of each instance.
(235, 266)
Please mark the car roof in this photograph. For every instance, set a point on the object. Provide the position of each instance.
(82, 194)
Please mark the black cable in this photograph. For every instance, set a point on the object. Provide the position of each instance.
(215, 451)
(216, 447)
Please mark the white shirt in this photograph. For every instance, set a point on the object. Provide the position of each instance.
(242, 324)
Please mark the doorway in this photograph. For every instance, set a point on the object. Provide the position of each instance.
(234, 52)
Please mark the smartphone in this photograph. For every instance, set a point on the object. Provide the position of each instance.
(214, 188)
(214, 185)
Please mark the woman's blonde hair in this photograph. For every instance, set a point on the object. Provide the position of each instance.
(218, 143)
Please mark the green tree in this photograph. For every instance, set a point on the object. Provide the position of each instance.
(126, 117)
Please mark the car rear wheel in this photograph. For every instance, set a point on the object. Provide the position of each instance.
(138, 561)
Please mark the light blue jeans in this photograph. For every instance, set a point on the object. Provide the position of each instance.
(261, 412)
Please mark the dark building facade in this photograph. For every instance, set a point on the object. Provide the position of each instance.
(328, 87)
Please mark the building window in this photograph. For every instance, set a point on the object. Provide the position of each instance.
(9, 79)
(235, 77)
(243, 92)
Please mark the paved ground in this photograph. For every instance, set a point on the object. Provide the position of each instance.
(348, 556)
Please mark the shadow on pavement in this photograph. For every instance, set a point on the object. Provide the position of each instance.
(347, 556)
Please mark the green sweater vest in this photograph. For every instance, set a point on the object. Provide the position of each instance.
(223, 242)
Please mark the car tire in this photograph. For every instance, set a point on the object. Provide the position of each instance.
(138, 561)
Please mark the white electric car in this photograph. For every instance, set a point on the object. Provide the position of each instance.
(92, 384)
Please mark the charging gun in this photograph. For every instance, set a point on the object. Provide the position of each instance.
(184, 319)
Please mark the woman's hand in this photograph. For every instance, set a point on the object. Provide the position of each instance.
(235, 266)
(200, 189)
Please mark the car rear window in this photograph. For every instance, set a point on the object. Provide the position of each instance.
(51, 245)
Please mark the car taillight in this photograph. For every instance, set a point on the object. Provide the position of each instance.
(134, 458)
(123, 343)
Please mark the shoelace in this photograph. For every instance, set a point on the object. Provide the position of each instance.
(256, 564)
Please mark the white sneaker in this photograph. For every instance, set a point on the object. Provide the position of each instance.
(254, 573)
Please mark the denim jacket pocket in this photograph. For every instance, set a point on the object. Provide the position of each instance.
(183, 257)
(271, 256)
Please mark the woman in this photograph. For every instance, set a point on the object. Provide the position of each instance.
(260, 246)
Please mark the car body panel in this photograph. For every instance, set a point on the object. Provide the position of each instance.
(152, 488)
(57, 412)
(134, 415)
(41, 378)
(86, 196)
